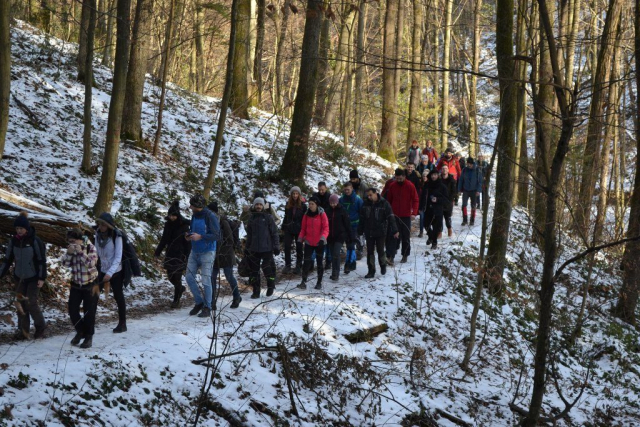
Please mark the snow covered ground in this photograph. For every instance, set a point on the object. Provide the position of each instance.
(145, 376)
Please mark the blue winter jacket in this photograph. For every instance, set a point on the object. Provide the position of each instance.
(352, 204)
(206, 224)
(470, 180)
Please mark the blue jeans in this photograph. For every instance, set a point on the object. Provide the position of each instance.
(204, 263)
(228, 274)
(422, 227)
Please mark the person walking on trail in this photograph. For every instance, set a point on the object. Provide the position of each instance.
(424, 179)
(339, 233)
(268, 207)
(414, 176)
(352, 203)
(433, 200)
(110, 246)
(262, 244)
(376, 222)
(81, 259)
(414, 154)
(451, 162)
(313, 234)
(204, 235)
(483, 166)
(358, 187)
(470, 185)
(27, 253)
(404, 200)
(293, 213)
(461, 161)
(425, 166)
(452, 194)
(323, 195)
(430, 152)
(177, 250)
(225, 259)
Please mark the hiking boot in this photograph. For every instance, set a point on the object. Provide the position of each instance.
(206, 312)
(450, 232)
(404, 259)
(318, 286)
(383, 269)
(421, 234)
(196, 309)
(270, 291)
(21, 335)
(370, 274)
(122, 327)
(435, 245)
(286, 269)
(390, 262)
(353, 266)
(76, 340)
(334, 277)
(347, 270)
(39, 333)
(87, 343)
(464, 221)
(472, 222)
(236, 302)
(256, 293)
(429, 241)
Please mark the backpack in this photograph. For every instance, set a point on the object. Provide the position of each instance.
(130, 262)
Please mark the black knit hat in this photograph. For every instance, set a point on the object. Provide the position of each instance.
(75, 234)
(400, 172)
(22, 220)
(470, 161)
(315, 200)
(213, 206)
(106, 218)
(354, 174)
(198, 201)
(174, 209)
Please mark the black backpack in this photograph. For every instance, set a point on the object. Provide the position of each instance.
(130, 262)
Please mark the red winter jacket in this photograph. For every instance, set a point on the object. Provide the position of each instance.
(314, 227)
(452, 163)
(432, 154)
(403, 198)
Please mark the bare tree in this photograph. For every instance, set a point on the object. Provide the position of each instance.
(388, 138)
(5, 70)
(166, 57)
(88, 86)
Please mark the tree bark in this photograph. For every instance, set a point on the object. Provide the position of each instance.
(199, 47)
(499, 236)
(474, 143)
(347, 76)
(108, 41)
(240, 101)
(257, 63)
(388, 138)
(415, 101)
(323, 75)
(296, 156)
(278, 107)
(166, 58)
(522, 171)
(360, 90)
(132, 113)
(446, 55)
(5, 70)
(114, 122)
(82, 39)
(88, 87)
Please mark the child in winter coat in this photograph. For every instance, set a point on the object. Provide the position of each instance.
(81, 258)
(293, 213)
(313, 234)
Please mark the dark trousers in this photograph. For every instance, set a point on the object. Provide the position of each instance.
(404, 228)
(465, 199)
(85, 296)
(433, 224)
(290, 239)
(376, 244)
(266, 261)
(333, 255)
(28, 292)
(117, 288)
(228, 274)
(175, 278)
(391, 244)
(447, 218)
(308, 262)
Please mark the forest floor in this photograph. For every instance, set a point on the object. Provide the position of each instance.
(408, 374)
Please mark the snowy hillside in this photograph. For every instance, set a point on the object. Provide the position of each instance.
(404, 376)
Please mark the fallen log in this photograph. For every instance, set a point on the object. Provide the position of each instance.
(49, 228)
(363, 335)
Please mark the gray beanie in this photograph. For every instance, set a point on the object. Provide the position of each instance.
(258, 201)
(295, 189)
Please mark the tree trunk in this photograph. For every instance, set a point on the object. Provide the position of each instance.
(224, 104)
(340, 69)
(360, 90)
(108, 41)
(628, 299)
(499, 236)
(415, 102)
(446, 55)
(88, 87)
(286, 11)
(522, 171)
(240, 93)
(166, 57)
(590, 163)
(82, 39)
(473, 90)
(257, 63)
(114, 122)
(296, 156)
(571, 40)
(323, 75)
(199, 47)
(388, 138)
(347, 77)
(5, 70)
(132, 113)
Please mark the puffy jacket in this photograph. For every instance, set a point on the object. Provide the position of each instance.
(452, 190)
(206, 224)
(225, 255)
(178, 248)
(470, 180)
(293, 219)
(403, 198)
(315, 227)
(431, 153)
(30, 256)
(376, 219)
(339, 225)
(416, 179)
(414, 156)
(324, 199)
(435, 189)
(262, 233)
(452, 163)
(352, 204)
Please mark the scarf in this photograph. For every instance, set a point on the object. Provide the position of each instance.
(102, 239)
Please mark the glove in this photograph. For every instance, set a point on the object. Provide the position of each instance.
(300, 239)
(276, 252)
(322, 242)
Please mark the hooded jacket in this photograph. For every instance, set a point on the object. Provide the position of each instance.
(414, 155)
(225, 255)
(452, 163)
(431, 153)
(376, 218)
(403, 198)
(352, 204)
(452, 191)
(293, 218)
(470, 180)
(262, 233)
(30, 257)
(177, 247)
(324, 199)
(206, 224)
(435, 189)
(315, 227)
(339, 225)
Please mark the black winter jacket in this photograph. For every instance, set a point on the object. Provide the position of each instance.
(434, 189)
(293, 219)
(178, 248)
(339, 225)
(225, 255)
(29, 254)
(452, 190)
(262, 233)
(416, 179)
(324, 199)
(376, 218)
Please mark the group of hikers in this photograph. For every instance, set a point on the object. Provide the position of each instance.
(319, 230)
